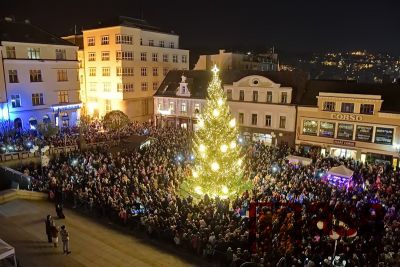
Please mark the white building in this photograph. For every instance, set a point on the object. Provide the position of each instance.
(125, 61)
(40, 81)
(263, 103)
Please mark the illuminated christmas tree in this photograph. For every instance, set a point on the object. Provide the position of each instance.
(218, 158)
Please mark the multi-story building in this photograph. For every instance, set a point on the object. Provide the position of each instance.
(263, 103)
(125, 62)
(239, 61)
(40, 79)
(347, 119)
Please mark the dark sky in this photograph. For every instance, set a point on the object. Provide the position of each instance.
(293, 26)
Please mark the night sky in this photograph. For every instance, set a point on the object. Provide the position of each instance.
(291, 26)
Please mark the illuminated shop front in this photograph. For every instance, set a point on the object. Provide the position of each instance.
(355, 126)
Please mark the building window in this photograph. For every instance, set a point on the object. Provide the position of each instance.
(310, 127)
(107, 105)
(384, 136)
(155, 86)
(253, 119)
(37, 99)
(329, 106)
(151, 42)
(184, 59)
(241, 118)
(92, 56)
(367, 109)
(125, 71)
(327, 129)
(268, 120)
(196, 108)
(284, 97)
(143, 71)
(105, 71)
(183, 107)
(34, 53)
(105, 40)
(229, 94)
(93, 87)
(364, 133)
(92, 71)
(255, 96)
(175, 58)
(345, 131)
(126, 55)
(10, 52)
(35, 75)
(172, 107)
(172, 45)
(155, 71)
(123, 39)
(241, 95)
(165, 71)
(62, 97)
(155, 57)
(62, 75)
(91, 41)
(348, 107)
(144, 86)
(107, 87)
(13, 76)
(105, 55)
(269, 96)
(282, 122)
(15, 101)
(61, 54)
(143, 56)
(165, 58)
(162, 43)
(125, 87)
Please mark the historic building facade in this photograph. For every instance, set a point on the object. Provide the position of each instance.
(125, 62)
(40, 79)
(350, 120)
(263, 107)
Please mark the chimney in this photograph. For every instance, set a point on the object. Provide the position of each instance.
(221, 51)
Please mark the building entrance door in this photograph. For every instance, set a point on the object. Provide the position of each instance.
(344, 153)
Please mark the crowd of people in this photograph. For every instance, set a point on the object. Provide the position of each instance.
(139, 188)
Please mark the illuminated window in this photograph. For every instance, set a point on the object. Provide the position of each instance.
(37, 99)
(15, 101)
(197, 108)
(241, 95)
(125, 87)
(345, 131)
(367, 109)
(93, 86)
(92, 71)
(125, 71)
(144, 86)
(34, 53)
(105, 55)
(35, 75)
(172, 45)
(172, 106)
(62, 97)
(143, 71)
(143, 56)
(255, 96)
(151, 42)
(165, 71)
(155, 71)
(283, 98)
(269, 96)
(184, 59)
(92, 56)
(126, 55)
(106, 87)
(61, 54)
(165, 58)
(162, 44)
(108, 105)
(105, 40)
(268, 120)
(241, 118)
(106, 71)
(229, 94)
(10, 52)
(62, 75)
(282, 122)
(183, 107)
(175, 58)
(155, 86)
(329, 106)
(310, 127)
(123, 39)
(13, 76)
(253, 119)
(155, 57)
(91, 41)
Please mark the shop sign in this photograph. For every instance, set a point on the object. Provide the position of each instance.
(346, 117)
(344, 143)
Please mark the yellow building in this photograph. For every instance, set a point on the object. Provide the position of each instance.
(124, 63)
(347, 119)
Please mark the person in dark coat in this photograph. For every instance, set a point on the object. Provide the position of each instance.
(48, 222)
(59, 211)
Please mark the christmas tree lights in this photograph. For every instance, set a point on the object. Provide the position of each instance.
(217, 168)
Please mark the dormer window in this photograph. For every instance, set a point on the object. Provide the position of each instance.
(183, 89)
(284, 98)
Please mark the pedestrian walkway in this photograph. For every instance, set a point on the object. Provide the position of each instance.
(92, 243)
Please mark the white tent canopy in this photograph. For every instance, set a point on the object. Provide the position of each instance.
(299, 160)
(341, 171)
(6, 251)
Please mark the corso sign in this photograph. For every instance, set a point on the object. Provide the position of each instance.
(346, 117)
